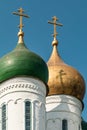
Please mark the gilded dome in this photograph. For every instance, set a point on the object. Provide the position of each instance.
(22, 62)
(64, 79)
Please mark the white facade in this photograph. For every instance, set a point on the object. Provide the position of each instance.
(14, 93)
(60, 108)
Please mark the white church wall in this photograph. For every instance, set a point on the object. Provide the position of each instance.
(63, 107)
(14, 93)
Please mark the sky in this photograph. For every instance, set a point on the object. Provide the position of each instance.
(38, 33)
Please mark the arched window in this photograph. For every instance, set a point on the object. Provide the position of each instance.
(4, 117)
(27, 115)
(79, 127)
(64, 125)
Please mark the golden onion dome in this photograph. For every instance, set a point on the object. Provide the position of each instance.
(63, 79)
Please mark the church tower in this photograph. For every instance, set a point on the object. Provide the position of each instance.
(23, 79)
(64, 103)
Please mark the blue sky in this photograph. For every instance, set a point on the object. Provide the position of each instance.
(72, 36)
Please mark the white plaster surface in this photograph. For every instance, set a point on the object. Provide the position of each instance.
(60, 107)
(14, 93)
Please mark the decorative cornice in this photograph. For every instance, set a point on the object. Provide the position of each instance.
(64, 99)
(23, 84)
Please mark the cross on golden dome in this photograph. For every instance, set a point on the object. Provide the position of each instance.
(20, 13)
(54, 22)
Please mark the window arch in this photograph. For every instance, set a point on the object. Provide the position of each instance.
(27, 115)
(64, 125)
(3, 117)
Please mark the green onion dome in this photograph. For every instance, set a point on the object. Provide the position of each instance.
(22, 62)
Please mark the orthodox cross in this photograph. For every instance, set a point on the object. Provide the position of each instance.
(20, 13)
(61, 73)
(54, 22)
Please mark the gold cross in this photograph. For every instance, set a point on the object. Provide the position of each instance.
(20, 13)
(54, 22)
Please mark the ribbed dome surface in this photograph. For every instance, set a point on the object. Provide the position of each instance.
(64, 79)
(22, 62)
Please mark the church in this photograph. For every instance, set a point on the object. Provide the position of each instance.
(35, 95)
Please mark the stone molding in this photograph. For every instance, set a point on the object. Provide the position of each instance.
(23, 84)
(15, 101)
(64, 99)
